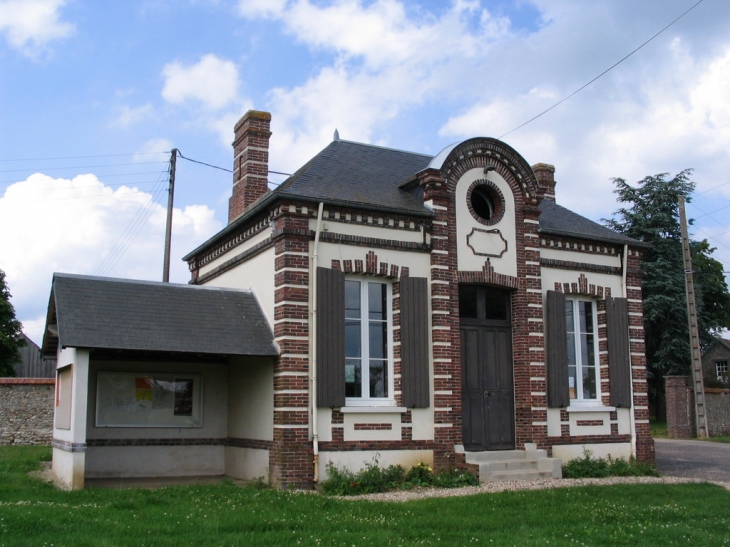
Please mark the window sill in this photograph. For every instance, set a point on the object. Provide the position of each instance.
(374, 409)
(590, 408)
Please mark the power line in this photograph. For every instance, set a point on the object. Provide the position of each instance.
(713, 188)
(80, 166)
(84, 157)
(223, 168)
(132, 229)
(203, 163)
(14, 181)
(602, 73)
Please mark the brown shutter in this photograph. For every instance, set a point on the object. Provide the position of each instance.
(619, 351)
(330, 338)
(414, 341)
(556, 351)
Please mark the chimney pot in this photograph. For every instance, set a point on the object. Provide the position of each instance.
(545, 175)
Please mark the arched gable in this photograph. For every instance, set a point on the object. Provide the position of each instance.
(457, 159)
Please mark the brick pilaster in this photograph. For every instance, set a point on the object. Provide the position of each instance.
(644, 442)
(444, 319)
(291, 455)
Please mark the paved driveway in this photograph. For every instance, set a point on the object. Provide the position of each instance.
(695, 459)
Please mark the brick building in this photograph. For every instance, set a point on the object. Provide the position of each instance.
(423, 309)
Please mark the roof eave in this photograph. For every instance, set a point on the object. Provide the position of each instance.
(632, 243)
(268, 200)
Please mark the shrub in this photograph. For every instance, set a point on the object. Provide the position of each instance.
(372, 479)
(590, 467)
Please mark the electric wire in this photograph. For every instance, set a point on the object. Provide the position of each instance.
(82, 166)
(601, 74)
(203, 163)
(85, 157)
(133, 228)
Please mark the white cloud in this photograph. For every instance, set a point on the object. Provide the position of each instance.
(28, 25)
(261, 8)
(154, 150)
(386, 60)
(128, 115)
(81, 225)
(663, 109)
(212, 82)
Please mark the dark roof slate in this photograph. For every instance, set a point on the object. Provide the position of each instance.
(557, 220)
(373, 177)
(97, 312)
(361, 174)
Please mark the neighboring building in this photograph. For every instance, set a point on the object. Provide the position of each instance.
(32, 363)
(422, 308)
(715, 362)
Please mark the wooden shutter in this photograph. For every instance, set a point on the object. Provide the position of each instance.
(414, 341)
(330, 338)
(619, 356)
(556, 351)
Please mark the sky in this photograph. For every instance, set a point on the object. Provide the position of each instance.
(94, 95)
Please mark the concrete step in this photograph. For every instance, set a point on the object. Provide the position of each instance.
(518, 476)
(511, 465)
(502, 455)
(507, 465)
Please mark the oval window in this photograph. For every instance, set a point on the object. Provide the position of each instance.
(485, 201)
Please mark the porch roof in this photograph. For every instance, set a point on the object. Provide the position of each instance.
(107, 313)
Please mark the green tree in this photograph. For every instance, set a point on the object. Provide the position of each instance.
(651, 214)
(10, 330)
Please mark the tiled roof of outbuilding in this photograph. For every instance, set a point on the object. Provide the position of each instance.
(105, 313)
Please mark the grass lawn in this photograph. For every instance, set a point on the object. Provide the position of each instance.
(658, 429)
(33, 513)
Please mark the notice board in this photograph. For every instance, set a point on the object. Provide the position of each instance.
(128, 399)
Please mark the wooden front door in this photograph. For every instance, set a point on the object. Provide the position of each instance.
(488, 418)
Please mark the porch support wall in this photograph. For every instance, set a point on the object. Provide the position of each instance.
(69, 445)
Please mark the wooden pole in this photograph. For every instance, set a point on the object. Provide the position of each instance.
(168, 229)
(694, 337)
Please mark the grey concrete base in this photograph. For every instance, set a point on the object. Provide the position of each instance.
(516, 465)
(159, 482)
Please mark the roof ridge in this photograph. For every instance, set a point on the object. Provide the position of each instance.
(388, 148)
(63, 275)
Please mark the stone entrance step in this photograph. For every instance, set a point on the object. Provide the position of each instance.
(514, 465)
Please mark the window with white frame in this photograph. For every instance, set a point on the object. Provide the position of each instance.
(368, 327)
(583, 374)
(721, 369)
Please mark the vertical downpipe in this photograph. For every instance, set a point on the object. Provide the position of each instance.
(313, 344)
(625, 293)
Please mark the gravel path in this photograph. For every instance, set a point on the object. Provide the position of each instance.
(421, 493)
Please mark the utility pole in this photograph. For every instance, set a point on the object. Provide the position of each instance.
(168, 229)
(694, 337)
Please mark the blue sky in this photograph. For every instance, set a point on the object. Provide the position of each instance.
(93, 95)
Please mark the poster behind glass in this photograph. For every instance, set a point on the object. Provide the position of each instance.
(126, 399)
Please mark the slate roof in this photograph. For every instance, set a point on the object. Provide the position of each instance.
(105, 313)
(351, 172)
(372, 177)
(557, 220)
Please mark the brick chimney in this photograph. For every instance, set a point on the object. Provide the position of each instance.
(545, 175)
(250, 161)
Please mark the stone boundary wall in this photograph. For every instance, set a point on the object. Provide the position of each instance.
(681, 409)
(26, 411)
(718, 411)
